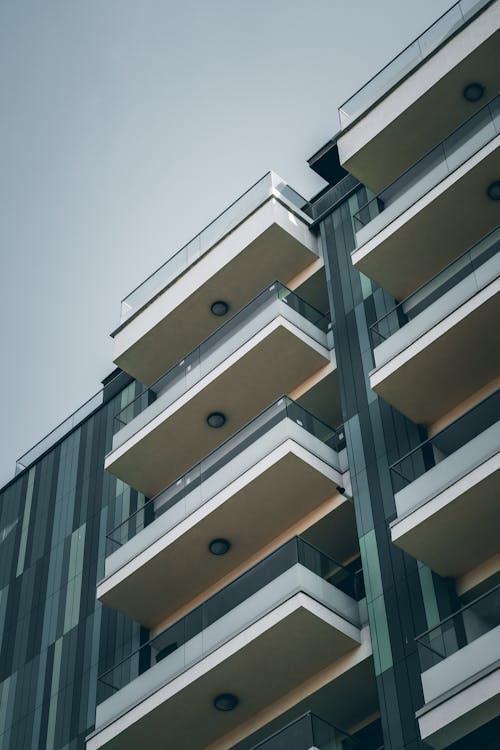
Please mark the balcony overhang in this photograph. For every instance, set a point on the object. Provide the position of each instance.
(425, 106)
(280, 651)
(159, 571)
(456, 529)
(462, 692)
(330, 692)
(437, 228)
(274, 361)
(271, 243)
(421, 380)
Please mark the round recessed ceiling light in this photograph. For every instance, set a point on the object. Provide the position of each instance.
(216, 420)
(219, 546)
(493, 191)
(226, 702)
(473, 92)
(219, 308)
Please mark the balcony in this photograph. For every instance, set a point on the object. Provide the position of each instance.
(425, 340)
(281, 467)
(435, 210)
(277, 625)
(447, 492)
(308, 732)
(263, 235)
(460, 660)
(273, 345)
(421, 94)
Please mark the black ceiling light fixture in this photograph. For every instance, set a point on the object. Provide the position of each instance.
(493, 191)
(216, 419)
(473, 92)
(219, 308)
(219, 546)
(226, 702)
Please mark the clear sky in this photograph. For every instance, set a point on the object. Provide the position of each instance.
(125, 126)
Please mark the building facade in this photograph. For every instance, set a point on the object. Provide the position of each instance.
(276, 525)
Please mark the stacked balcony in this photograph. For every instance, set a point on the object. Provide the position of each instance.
(281, 467)
(423, 137)
(446, 493)
(270, 347)
(230, 561)
(263, 235)
(422, 94)
(450, 323)
(294, 614)
(460, 660)
(436, 209)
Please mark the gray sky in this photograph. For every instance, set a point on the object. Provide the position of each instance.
(125, 126)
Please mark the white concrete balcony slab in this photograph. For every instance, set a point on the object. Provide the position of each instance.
(448, 517)
(418, 98)
(436, 209)
(279, 625)
(274, 472)
(452, 320)
(263, 235)
(272, 346)
(462, 687)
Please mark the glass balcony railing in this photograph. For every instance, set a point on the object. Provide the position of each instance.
(459, 629)
(282, 420)
(191, 638)
(275, 300)
(478, 425)
(309, 732)
(406, 61)
(267, 187)
(428, 172)
(59, 432)
(434, 289)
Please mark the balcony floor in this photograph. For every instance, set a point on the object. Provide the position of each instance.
(427, 104)
(422, 381)
(462, 692)
(171, 569)
(282, 650)
(274, 362)
(270, 244)
(437, 228)
(456, 530)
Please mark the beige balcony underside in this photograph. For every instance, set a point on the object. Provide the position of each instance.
(273, 363)
(279, 653)
(439, 227)
(457, 530)
(178, 567)
(448, 364)
(344, 697)
(271, 244)
(425, 107)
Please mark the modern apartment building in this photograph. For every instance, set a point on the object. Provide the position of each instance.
(276, 527)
